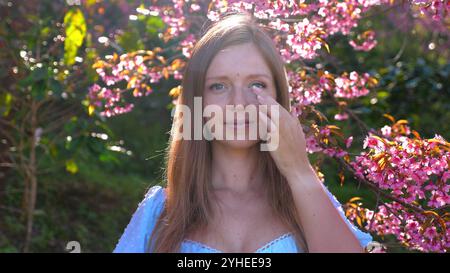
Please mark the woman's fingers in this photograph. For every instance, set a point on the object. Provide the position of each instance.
(267, 128)
(268, 105)
(274, 109)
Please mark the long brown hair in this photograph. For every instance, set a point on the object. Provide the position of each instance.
(188, 162)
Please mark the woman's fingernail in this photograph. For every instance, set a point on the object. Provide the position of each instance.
(256, 89)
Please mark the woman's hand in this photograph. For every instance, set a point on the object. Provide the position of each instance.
(290, 155)
(324, 228)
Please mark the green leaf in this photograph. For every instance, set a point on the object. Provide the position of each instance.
(71, 166)
(131, 40)
(53, 151)
(75, 32)
(154, 25)
(38, 90)
(56, 87)
(39, 74)
(382, 94)
(90, 3)
(5, 103)
(109, 157)
(45, 32)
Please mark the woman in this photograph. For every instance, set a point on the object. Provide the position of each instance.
(227, 195)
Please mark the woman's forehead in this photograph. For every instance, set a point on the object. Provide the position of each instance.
(238, 61)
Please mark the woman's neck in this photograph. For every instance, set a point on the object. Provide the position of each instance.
(236, 170)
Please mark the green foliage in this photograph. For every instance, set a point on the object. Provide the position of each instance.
(75, 33)
(71, 166)
(133, 40)
(5, 103)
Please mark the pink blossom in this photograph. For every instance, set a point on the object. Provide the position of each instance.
(386, 131)
(341, 116)
(348, 142)
(312, 145)
(366, 41)
(352, 86)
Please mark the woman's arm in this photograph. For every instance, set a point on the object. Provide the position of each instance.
(325, 230)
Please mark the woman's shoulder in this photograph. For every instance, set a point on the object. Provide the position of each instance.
(142, 222)
(154, 196)
(152, 202)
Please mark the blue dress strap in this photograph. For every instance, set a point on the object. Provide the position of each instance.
(140, 227)
(364, 238)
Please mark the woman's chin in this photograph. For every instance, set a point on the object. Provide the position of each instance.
(239, 144)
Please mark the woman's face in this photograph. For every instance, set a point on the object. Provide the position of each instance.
(232, 74)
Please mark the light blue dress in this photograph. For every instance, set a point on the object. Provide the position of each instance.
(136, 234)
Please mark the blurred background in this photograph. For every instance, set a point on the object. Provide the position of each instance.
(68, 173)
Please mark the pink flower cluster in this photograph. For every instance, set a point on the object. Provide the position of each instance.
(366, 41)
(342, 16)
(426, 232)
(318, 142)
(435, 9)
(137, 70)
(308, 89)
(172, 16)
(352, 85)
(110, 99)
(415, 171)
(303, 42)
(410, 168)
(129, 68)
(112, 73)
(303, 89)
(305, 36)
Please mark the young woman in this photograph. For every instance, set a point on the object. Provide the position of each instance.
(227, 195)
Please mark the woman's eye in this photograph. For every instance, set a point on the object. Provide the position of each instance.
(216, 86)
(259, 84)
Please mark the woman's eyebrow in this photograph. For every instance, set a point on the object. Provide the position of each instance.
(248, 76)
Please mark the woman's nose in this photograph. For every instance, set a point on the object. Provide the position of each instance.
(243, 96)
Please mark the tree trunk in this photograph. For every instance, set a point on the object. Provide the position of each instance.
(31, 177)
